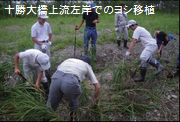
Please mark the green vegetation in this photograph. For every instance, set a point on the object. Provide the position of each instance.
(121, 98)
(15, 33)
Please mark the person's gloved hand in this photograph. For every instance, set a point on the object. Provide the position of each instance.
(116, 29)
(50, 42)
(127, 27)
(128, 53)
(43, 47)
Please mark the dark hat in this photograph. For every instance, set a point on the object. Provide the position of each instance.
(92, 5)
(85, 58)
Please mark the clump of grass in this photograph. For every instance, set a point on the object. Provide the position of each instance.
(93, 58)
(125, 101)
(119, 77)
(23, 105)
(131, 102)
(6, 69)
(83, 98)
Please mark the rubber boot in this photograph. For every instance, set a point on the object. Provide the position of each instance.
(119, 44)
(125, 44)
(156, 64)
(141, 78)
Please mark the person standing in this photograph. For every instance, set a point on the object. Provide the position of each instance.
(120, 27)
(162, 40)
(140, 34)
(90, 31)
(41, 34)
(66, 81)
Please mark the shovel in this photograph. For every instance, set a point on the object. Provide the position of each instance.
(75, 43)
(22, 76)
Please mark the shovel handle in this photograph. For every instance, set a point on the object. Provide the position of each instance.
(76, 31)
(29, 82)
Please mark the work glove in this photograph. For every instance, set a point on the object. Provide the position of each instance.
(127, 27)
(50, 42)
(128, 53)
(116, 29)
(43, 47)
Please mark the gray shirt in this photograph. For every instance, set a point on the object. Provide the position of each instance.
(121, 19)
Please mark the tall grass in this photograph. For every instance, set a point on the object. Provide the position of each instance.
(83, 98)
(6, 69)
(120, 76)
(130, 101)
(16, 103)
(22, 105)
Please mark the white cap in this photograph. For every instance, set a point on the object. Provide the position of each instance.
(43, 60)
(42, 14)
(131, 22)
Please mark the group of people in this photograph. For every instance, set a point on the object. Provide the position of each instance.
(70, 73)
(66, 81)
(150, 44)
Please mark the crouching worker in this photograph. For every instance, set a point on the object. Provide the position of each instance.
(34, 61)
(162, 40)
(66, 81)
(140, 34)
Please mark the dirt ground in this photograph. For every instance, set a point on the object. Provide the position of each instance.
(108, 54)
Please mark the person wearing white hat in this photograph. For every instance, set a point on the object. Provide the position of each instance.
(33, 61)
(140, 34)
(41, 34)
